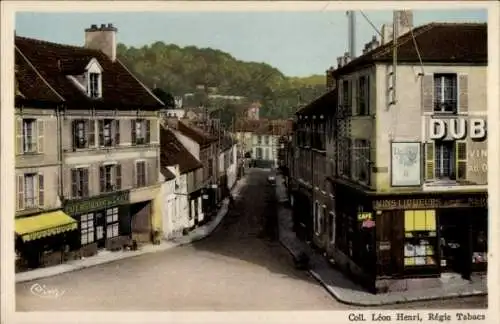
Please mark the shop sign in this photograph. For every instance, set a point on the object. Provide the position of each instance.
(101, 202)
(384, 246)
(368, 223)
(429, 203)
(457, 128)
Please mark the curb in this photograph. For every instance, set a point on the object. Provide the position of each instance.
(382, 303)
(138, 253)
(337, 297)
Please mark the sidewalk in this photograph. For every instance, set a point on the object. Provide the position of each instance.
(108, 256)
(348, 292)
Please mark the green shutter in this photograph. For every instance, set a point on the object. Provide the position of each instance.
(429, 160)
(461, 160)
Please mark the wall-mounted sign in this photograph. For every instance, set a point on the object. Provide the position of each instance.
(429, 203)
(457, 128)
(405, 164)
(368, 223)
(101, 202)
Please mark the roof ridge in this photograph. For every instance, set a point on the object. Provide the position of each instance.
(38, 73)
(54, 43)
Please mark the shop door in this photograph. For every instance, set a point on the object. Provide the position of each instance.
(99, 229)
(454, 241)
(389, 248)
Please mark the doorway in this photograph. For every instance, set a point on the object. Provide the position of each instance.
(454, 243)
(100, 236)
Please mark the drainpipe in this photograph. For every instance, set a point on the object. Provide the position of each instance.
(60, 151)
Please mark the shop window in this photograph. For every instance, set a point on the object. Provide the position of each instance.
(87, 228)
(420, 238)
(112, 226)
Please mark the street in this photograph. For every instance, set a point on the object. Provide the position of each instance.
(241, 266)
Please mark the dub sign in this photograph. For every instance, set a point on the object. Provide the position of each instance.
(457, 129)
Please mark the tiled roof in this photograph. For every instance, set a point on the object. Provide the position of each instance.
(54, 62)
(172, 152)
(437, 43)
(195, 133)
(248, 125)
(321, 105)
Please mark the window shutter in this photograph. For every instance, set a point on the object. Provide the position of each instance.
(75, 133)
(428, 93)
(429, 160)
(118, 176)
(102, 179)
(41, 193)
(136, 173)
(74, 183)
(349, 99)
(132, 131)
(116, 123)
(367, 95)
(463, 93)
(461, 160)
(355, 89)
(101, 132)
(40, 131)
(19, 136)
(85, 182)
(341, 93)
(20, 192)
(147, 123)
(91, 132)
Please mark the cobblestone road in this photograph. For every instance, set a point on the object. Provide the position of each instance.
(241, 266)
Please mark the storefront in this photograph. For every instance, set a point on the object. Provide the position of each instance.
(103, 221)
(43, 239)
(418, 235)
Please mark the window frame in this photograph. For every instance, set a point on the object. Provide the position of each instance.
(29, 146)
(440, 102)
(439, 155)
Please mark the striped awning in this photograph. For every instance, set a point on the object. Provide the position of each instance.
(43, 225)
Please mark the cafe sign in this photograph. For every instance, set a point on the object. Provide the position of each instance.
(429, 203)
(97, 203)
(457, 128)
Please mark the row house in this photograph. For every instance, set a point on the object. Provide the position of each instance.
(409, 158)
(87, 149)
(310, 187)
(182, 177)
(203, 146)
(227, 165)
(260, 139)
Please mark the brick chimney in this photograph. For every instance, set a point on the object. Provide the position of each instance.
(102, 38)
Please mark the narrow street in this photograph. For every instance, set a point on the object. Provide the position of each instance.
(241, 266)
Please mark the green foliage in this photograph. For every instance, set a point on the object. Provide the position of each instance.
(178, 71)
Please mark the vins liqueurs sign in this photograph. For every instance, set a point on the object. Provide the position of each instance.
(457, 128)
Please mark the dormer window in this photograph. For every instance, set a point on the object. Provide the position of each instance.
(94, 85)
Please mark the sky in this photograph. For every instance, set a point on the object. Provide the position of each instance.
(297, 43)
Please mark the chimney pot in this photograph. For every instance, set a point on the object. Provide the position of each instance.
(110, 25)
(93, 26)
(103, 39)
(103, 26)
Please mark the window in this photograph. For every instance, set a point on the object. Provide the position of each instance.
(266, 140)
(445, 93)
(363, 96)
(361, 159)
(79, 182)
(258, 153)
(83, 133)
(141, 131)
(112, 225)
(346, 94)
(444, 160)
(87, 228)
(29, 137)
(110, 178)
(266, 153)
(420, 237)
(94, 85)
(259, 139)
(332, 229)
(210, 167)
(29, 190)
(109, 132)
(140, 169)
